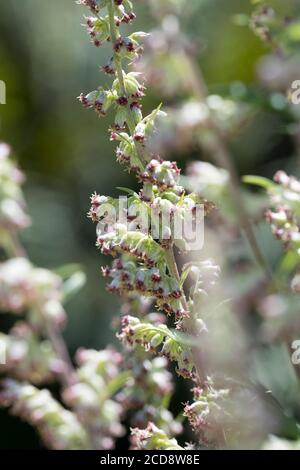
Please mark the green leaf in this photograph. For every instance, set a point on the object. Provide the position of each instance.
(259, 181)
(184, 340)
(117, 383)
(184, 276)
(274, 370)
(67, 270)
(240, 19)
(293, 31)
(128, 191)
(73, 285)
(289, 262)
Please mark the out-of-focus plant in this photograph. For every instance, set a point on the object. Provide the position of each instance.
(277, 73)
(283, 217)
(280, 31)
(279, 70)
(88, 414)
(279, 308)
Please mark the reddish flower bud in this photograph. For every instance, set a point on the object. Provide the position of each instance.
(122, 101)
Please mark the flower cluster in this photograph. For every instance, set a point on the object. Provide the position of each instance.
(141, 241)
(24, 287)
(277, 30)
(145, 259)
(203, 412)
(263, 22)
(59, 428)
(122, 241)
(12, 212)
(174, 346)
(164, 175)
(152, 438)
(222, 418)
(123, 9)
(160, 195)
(284, 219)
(128, 276)
(35, 354)
(147, 391)
(150, 387)
(102, 388)
(92, 396)
(27, 357)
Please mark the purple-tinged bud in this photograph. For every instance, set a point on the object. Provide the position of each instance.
(90, 21)
(113, 136)
(122, 101)
(118, 44)
(91, 4)
(84, 100)
(106, 272)
(139, 137)
(156, 277)
(108, 69)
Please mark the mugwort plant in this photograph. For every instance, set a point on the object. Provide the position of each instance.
(146, 261)
(178, 321)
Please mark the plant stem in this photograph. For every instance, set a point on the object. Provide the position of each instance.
(115, 35)
(68, 375)
(13, 246)
(174, 271)
(114, 32)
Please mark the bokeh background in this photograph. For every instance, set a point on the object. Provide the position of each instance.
(46, 61)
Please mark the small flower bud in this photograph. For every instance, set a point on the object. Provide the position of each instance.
(295, 284)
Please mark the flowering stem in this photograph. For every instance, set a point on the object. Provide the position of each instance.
(14, 247)
(119, 71)
(143, 266)
(68, 375)
(173, 268)
(118, 62)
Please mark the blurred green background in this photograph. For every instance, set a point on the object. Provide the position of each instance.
(46, 61)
